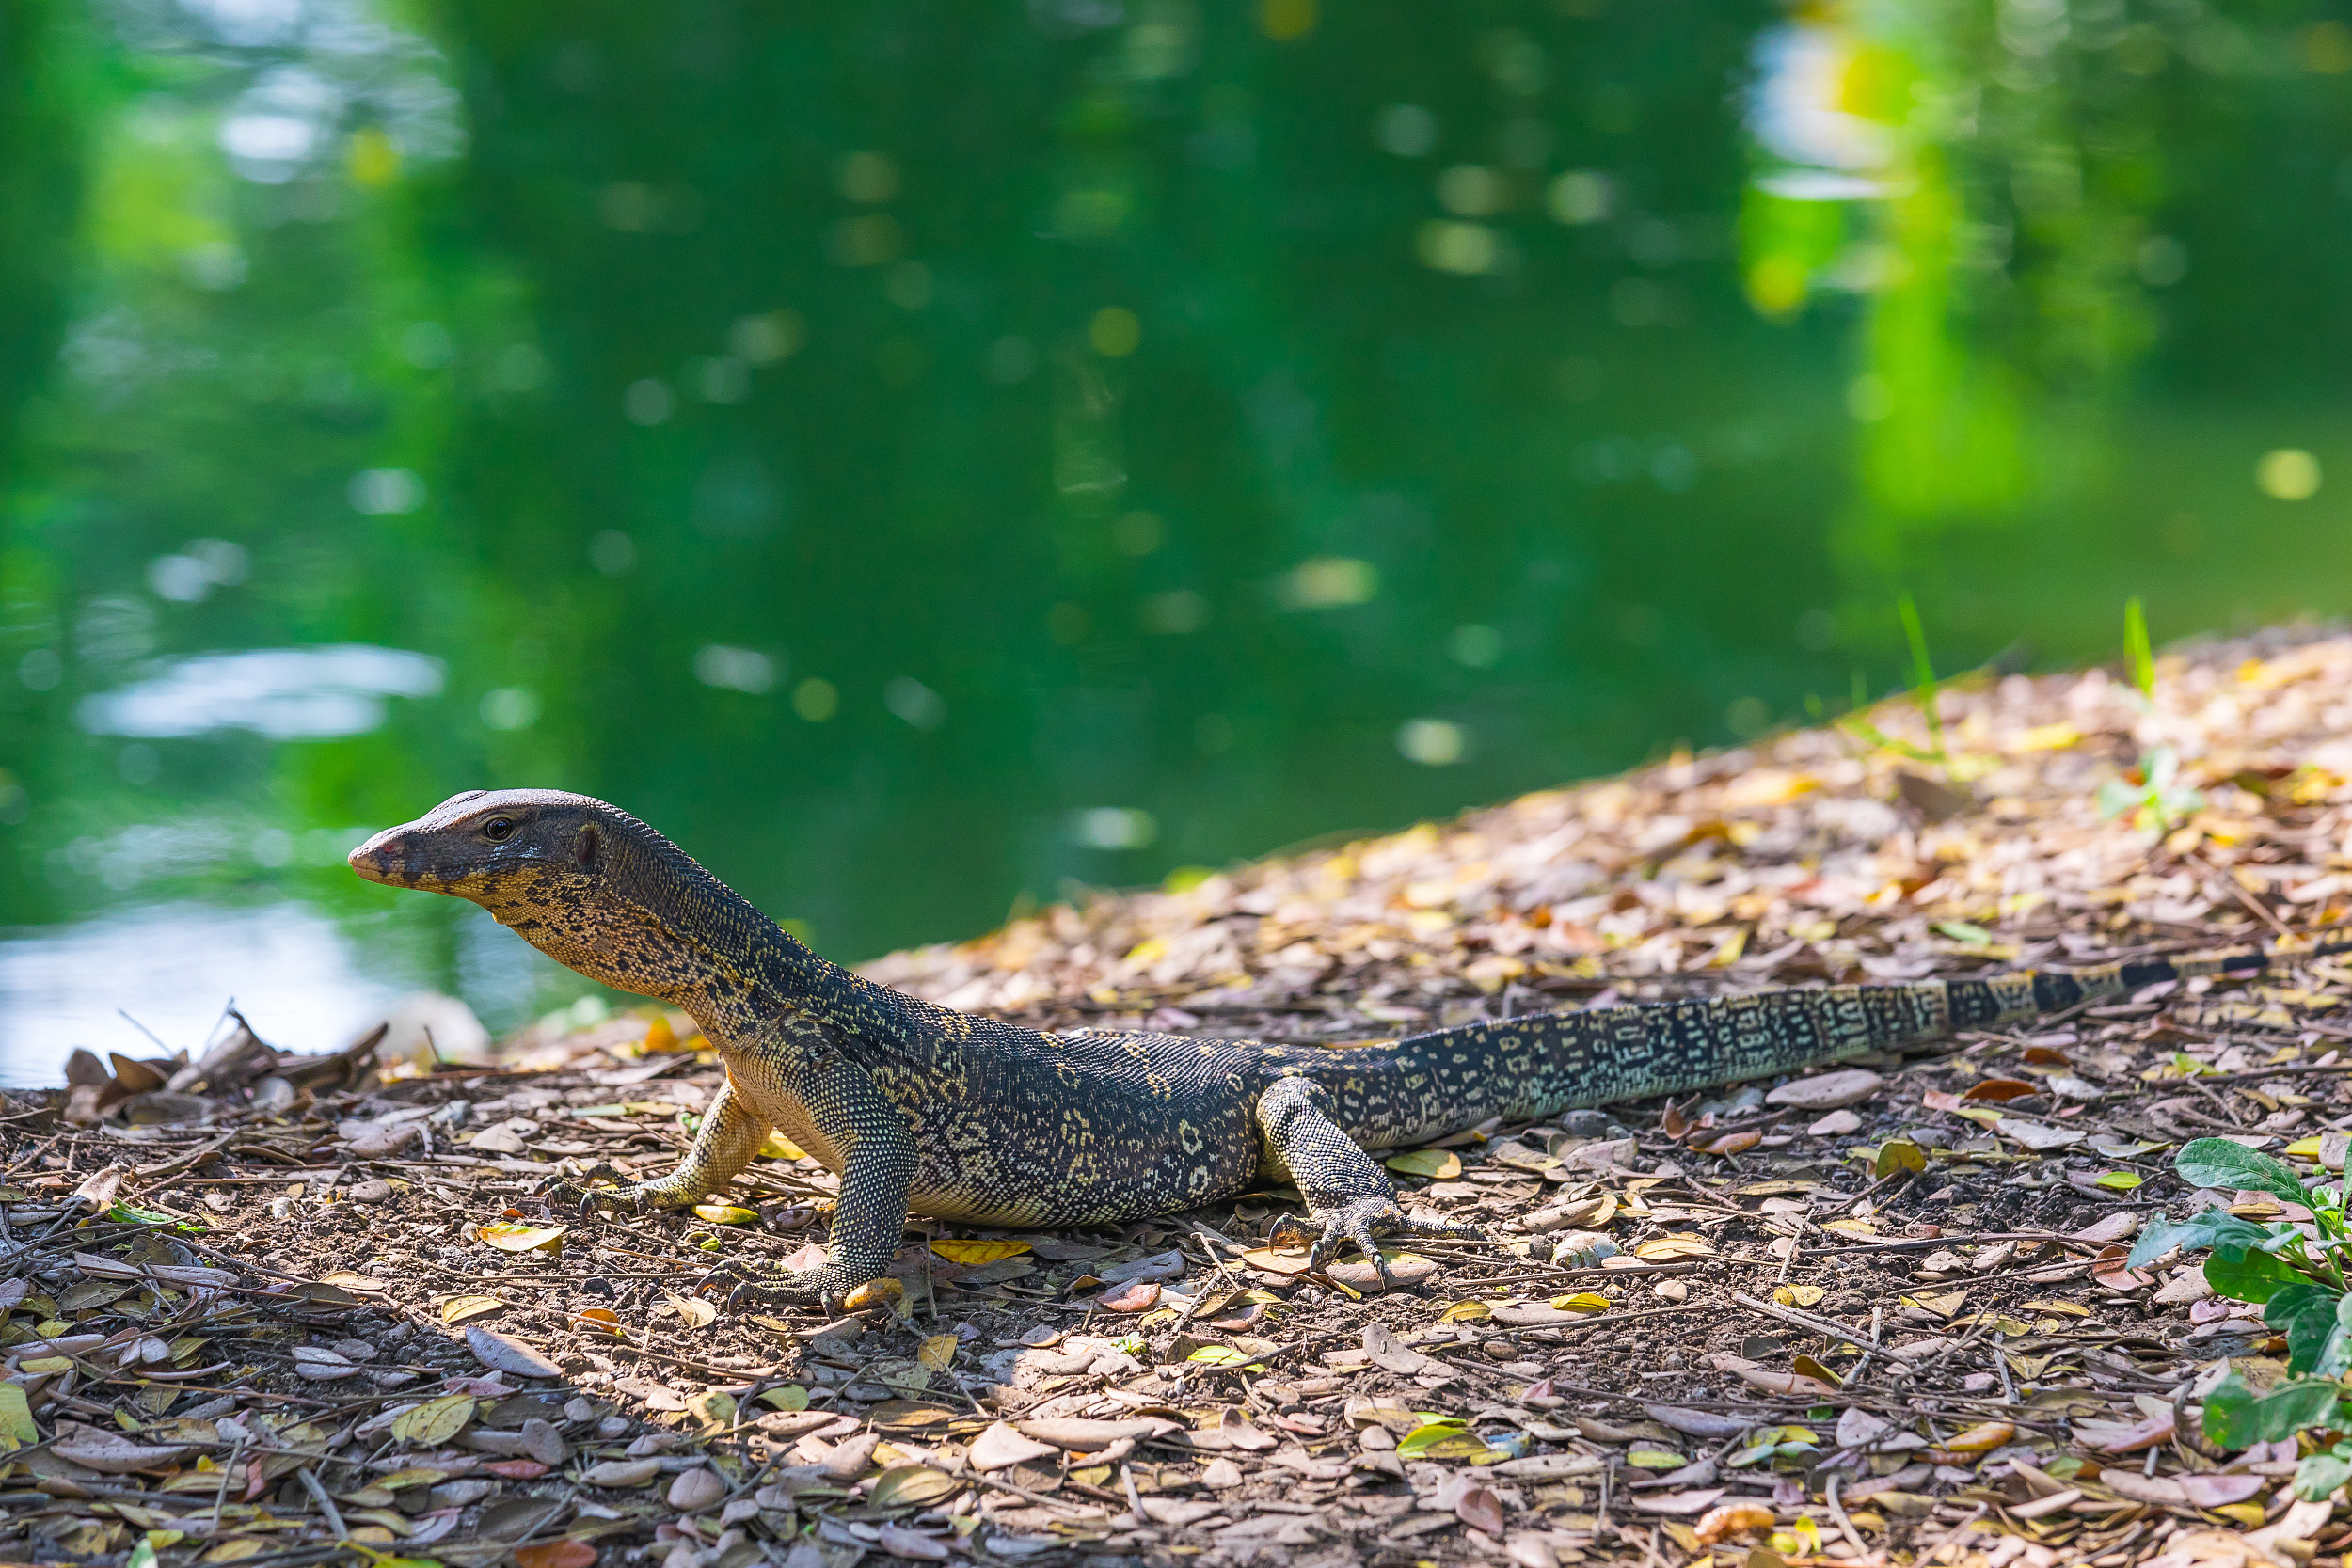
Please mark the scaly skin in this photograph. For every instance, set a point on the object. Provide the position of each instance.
(926, 1109)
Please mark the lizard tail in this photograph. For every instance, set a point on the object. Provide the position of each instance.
(1523, 1069)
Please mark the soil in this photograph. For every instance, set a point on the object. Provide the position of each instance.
(278, 1313)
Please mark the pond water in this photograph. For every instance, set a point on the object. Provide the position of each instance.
(924, 458)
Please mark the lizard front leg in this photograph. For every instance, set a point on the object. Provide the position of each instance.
(1349, 1198)
(731, 1135)
(878, 1166)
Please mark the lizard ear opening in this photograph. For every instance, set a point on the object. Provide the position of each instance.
(586, 848)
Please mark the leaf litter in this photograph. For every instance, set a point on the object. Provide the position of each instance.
(314, 1308)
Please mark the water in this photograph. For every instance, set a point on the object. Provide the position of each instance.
(923, 461)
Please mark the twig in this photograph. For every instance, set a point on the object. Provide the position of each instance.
(1838, 1511)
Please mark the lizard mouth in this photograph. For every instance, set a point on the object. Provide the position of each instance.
(386, 858)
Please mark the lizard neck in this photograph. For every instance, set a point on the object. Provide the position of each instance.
(657, 924)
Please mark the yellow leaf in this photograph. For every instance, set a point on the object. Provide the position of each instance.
(790, 1397)
(1655, 1459)
(2303, 1148)
(974, 1252)
(1797, 1295)
(2065, 1308)
(1851, 1228)
(884, 1292)
(1899, 1154)
(1942, 1306)
(1981, 1440)
(435, 1422)
(16, 1417)
(1442, 1164)
(778, 1146)
(1273, 1261)
(458, 1308)
(1583, 1301)
(1220, 1355)
(724, 1214)
(1668, 1249)
(522, 1237)
(1466, 1311)
(2047, 737)
(938, 1352)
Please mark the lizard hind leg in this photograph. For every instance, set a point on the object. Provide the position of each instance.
(1350, 1199)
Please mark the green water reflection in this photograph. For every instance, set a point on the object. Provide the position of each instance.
(921, 456)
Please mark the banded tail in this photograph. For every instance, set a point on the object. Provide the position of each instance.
(1523, 1069)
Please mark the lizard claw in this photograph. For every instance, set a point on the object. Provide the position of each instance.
(798, 1288)
(1359, 1224)
(569, 1185)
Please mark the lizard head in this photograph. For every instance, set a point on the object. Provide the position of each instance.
(494, 846)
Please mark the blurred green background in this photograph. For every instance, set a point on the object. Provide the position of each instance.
(921, 456)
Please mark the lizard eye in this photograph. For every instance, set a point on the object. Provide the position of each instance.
(497, 828)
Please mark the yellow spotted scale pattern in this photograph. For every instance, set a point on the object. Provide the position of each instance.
(926, 1109)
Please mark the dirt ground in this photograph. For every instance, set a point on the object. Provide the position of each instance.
(282, 1310)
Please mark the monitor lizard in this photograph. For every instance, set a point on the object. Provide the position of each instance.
(922, 1109)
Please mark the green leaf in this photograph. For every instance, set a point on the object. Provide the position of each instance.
(2118, 1180)
(2305, 1315)
(1428, 1435)
(2236, 1419)
(2234, 1167)
(1962, 930)
(2209, 1227)
(2254, 1277)
(2319, 1475)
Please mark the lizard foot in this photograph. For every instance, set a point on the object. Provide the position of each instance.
(818, 1287)
(1360, 1222)
(635, 1197)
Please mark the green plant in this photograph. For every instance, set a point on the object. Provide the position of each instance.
(2155, 801)
(2298, 1278)
(2135, 649)
(2158, 800)
(1923, 691)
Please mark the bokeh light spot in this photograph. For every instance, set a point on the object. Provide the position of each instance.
(381, 491)
(867, 177)
(2288, 474)
(1475, 646)
(1580, 195)
(1748, 716)
(1115, 332)
(1286, 19)
(1468, 248)
(613, 552)
(1138, 534)
(648, 401)
(1432, 742)
(816, 698)
(1408, 130)
(510, 707)
(1325, 582)
(1112, 827)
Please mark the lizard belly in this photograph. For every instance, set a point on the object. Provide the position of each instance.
(1068, 1142)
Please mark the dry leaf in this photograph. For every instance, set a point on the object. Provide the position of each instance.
(697, 1311)
(1731, 1519)
(1441, 1164)
(521, 1238)
(724, 1214)
(433, 1422)
(1797, 1295)
(1674, 1249)
(458, 1308)
(504, 1353)
(938, 1353)
(973, 1253)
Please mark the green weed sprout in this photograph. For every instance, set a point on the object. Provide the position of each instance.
(2155, 801)
(1923, 691)
(2298, 1281)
